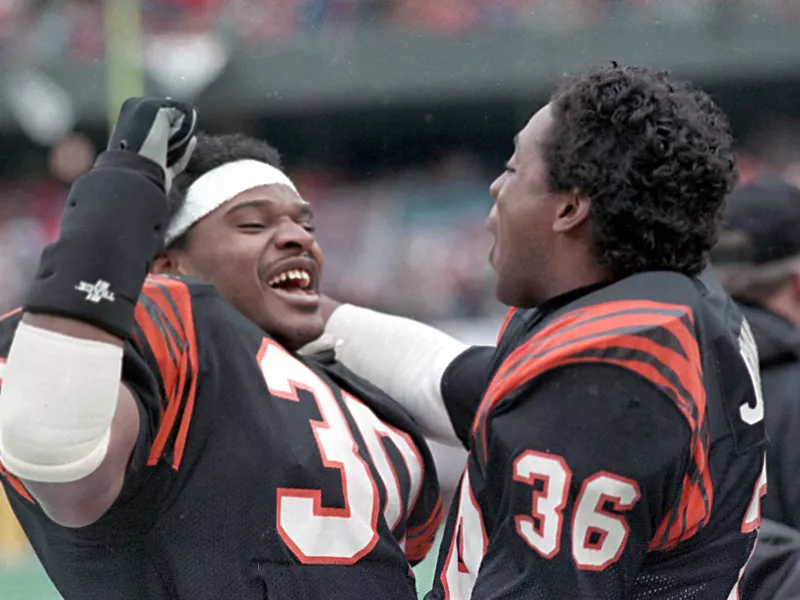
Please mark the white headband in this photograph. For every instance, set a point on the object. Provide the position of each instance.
(219, 185)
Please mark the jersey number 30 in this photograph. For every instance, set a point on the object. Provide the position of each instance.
(321, 535)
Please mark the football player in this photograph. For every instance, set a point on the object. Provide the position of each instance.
(616, 431)
(160, 437)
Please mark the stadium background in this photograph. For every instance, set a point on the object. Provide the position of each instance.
(393, 116)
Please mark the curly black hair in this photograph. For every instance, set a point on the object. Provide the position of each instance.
(213, 151)
(654, 155)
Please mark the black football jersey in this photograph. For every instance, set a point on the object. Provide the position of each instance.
(617, 452)
(257, 474)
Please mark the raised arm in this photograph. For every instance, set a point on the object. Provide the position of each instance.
(67, 425)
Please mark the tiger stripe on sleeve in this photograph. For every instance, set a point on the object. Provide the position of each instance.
(654, 340)
(165, 331)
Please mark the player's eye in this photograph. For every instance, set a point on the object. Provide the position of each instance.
(509, 168)
(309, 227)
(251, 226)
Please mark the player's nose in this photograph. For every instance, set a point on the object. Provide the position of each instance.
(497, 184)
(294, 235)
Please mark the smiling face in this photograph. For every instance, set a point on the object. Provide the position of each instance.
(258, 249)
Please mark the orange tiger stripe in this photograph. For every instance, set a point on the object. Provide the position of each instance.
(430, 521)
(506, 321)
(173, 299)
(582, 315)
(517, 356)
(160, 347)
(161, 291)
(532, 368)
(526, 362)
(16, 484)
(420, 538)
(166, 314)
(696, 499)
(10, 313)
(693, 511)
(540, 354)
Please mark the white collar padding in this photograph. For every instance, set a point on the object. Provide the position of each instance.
(215, 188)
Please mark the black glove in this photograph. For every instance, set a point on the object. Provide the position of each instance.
(115, 219)
(159, 129)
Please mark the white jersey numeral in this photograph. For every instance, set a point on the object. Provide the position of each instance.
(376, 433)
(598, 537)
(610, 531)
(314, 533)
(467, 546)
(747, 347)
(321, 535)
(542, 528)
(752, 521)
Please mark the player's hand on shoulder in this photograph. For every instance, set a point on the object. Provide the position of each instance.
(159, 129)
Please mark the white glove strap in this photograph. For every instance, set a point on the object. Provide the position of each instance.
(58, 398)
(404, 358)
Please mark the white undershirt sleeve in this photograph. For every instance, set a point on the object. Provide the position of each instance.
(403, 357)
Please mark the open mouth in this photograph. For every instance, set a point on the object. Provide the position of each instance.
(295, 286)
(291, 280)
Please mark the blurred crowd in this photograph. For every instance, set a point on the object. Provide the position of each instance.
(412, 242)
(57, 28)
(406, 243)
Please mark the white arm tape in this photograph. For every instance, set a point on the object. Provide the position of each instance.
(404, 358)
(58, 398)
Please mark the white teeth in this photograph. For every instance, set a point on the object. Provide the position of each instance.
(301, 276)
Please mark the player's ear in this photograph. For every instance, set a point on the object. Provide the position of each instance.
(166, 262)
(573, 210)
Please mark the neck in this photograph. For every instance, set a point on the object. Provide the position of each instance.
(580, 273)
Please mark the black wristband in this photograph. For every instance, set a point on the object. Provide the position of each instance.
(112, 227)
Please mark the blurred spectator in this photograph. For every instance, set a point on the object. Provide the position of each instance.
(71, 156)
(57, 28)
(407, 243)
(773, 149)
(21, 241)
(773, 572)
(758, 261)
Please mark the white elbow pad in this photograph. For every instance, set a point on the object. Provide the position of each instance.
(58, 398)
